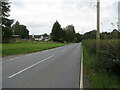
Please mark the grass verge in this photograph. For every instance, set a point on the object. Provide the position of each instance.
(98, 79)
(21, 48)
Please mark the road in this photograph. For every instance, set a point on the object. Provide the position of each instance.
(54, 68)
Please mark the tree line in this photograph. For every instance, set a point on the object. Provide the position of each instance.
(67, 34)
(58, 34)
(115, 34)
(8, 28)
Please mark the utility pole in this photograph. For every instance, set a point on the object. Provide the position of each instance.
(118, 16)
(98, 20)
(118, 27)
(98, 29)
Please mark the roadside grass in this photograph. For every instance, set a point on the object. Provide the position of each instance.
(98, 79)
(0, 50)
(21, 48)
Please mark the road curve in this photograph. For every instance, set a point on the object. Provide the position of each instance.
(54, 68)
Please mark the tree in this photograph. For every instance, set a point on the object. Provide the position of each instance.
(24, 32)
(56, 34)
(115, 34)
(67, 34)
(70, 33)
(79, 37)
(64, 35)
(90, 35)
(15, 28)
(20, 30)
(105, 35)
(45, 35)
(6, 23)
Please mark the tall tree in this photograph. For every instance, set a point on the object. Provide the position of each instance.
(70, 33)
(15, 28)
(56, 34)
(20, 30)
(6, 23)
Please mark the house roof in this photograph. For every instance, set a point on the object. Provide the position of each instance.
(37, 36)
(15, 35)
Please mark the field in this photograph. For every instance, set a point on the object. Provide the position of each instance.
(102, 71)
(21, 48)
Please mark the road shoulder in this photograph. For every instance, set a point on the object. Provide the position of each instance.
(86, 81)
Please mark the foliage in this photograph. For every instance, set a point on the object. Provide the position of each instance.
(45, 35)
(90, 35)
(67, 34)
(78, 37)
(56, 34)
(109, 59)
(7, 29)
(6, 23)
(6, 34)
(20, 30)
(70, 33)
(115, 34)
(98, 79)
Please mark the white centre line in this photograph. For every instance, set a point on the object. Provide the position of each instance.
(31, 66)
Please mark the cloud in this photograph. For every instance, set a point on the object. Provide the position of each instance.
(39, 15)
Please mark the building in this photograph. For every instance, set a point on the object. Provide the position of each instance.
(46, 38)
(15, 37)
(39, 37)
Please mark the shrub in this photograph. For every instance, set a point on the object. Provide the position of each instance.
(108, 55)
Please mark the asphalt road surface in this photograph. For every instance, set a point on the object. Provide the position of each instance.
(54, 68)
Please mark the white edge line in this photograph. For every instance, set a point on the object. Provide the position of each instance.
(29, 55)
(81, 76)
(30, 66)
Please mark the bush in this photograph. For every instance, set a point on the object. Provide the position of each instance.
(108, 55)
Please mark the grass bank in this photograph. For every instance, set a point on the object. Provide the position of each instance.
(98, 79)
(21, 48)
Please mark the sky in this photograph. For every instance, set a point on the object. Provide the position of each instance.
(40, 15)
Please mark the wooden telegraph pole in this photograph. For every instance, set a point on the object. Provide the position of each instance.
(118, 16)
(98, 28)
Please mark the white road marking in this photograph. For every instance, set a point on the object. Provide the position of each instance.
(30, 66)
(81, 78)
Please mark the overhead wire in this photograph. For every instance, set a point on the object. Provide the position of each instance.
(88, 15)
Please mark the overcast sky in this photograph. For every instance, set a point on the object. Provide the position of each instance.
(40, 15)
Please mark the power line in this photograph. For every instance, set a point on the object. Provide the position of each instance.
(87, 15)
(90, 5)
